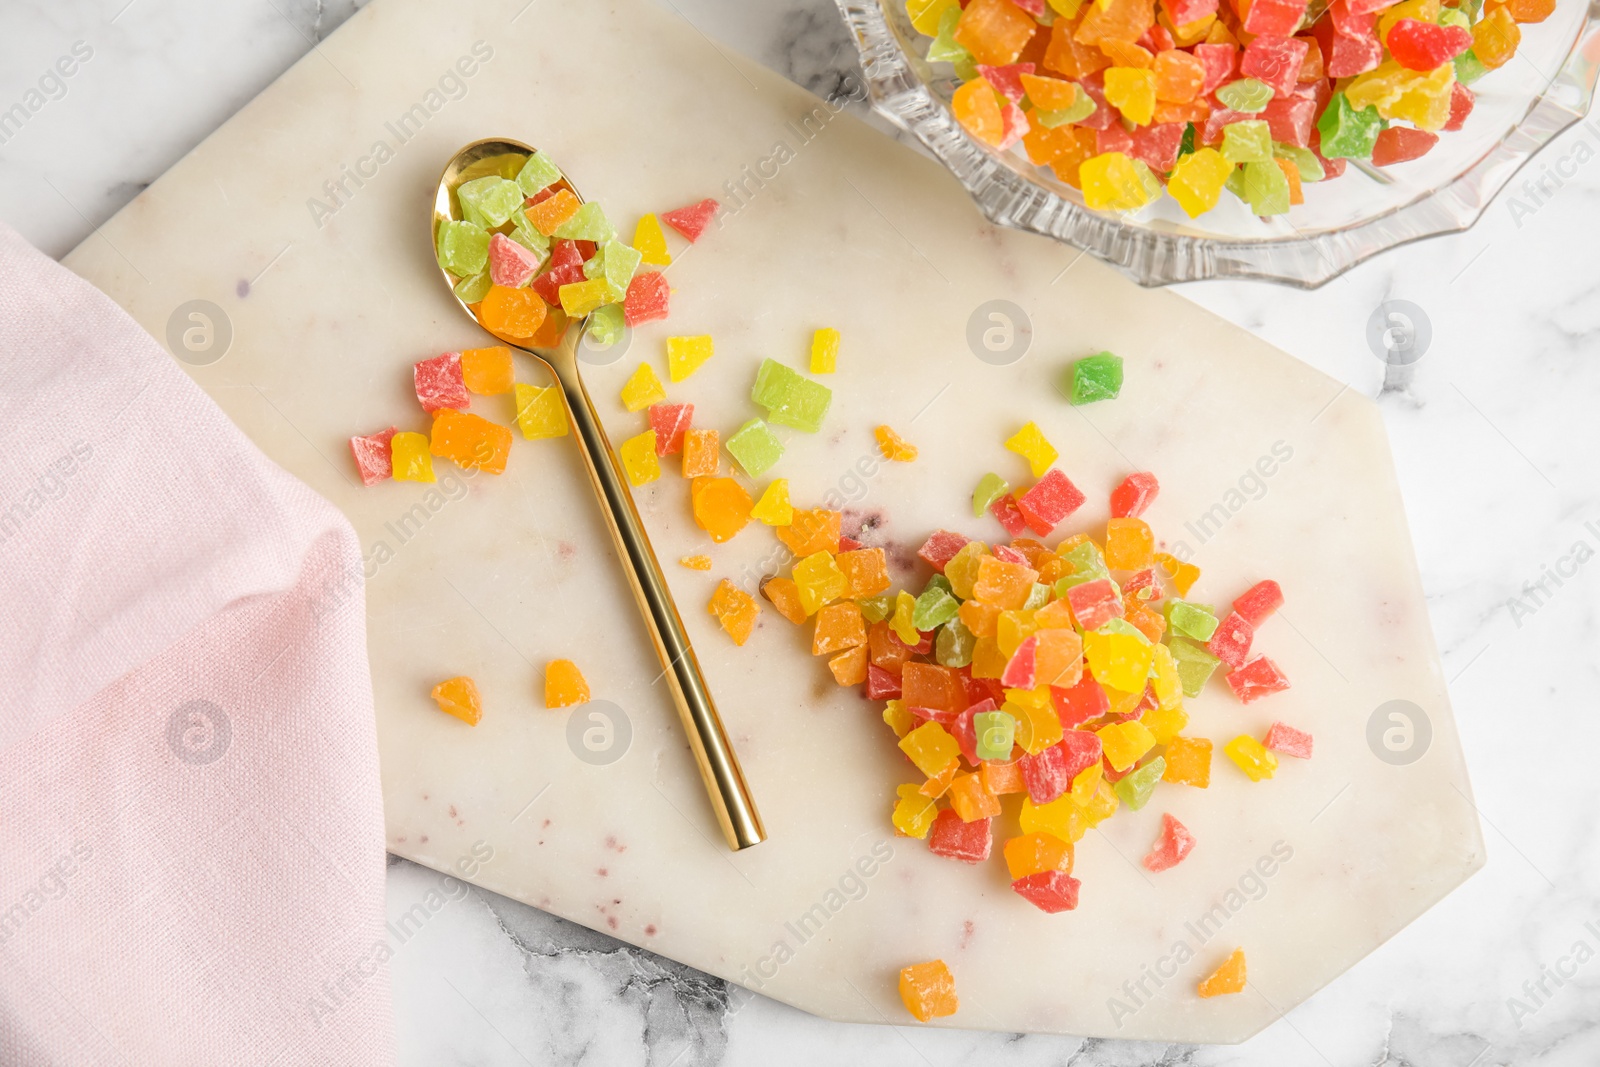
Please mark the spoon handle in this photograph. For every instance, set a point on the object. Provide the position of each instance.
(719, 766)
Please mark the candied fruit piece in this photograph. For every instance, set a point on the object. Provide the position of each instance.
(1251, 757)
(1188, 762)
(642, 389)
(440, 384)
(774, 508)
(1289, 741)
(651, 242)
(647, 299)
(459, 697)
(735, 609)
(1228, 978)
(700, 454)
(410, 458)
(784, 595)
(685, 355)
(470, 441)
(721, 506)
(691, 221)
(670, 422)
(1125, 743)
(970, 800)
(755, 448)
(811, 530)
(893, 446)
(866, 572)
(696, 563)
(564, 685)
(824, 350)
(819, 580)
(1231, 640)
(1258, 602)
(956, 839)
(1097, 377)
(994, 31)
(372, 457)
(1258, 677)
(1049, 891)
(839, 626)
(913, 812)
(1036, 853)
(640, 460)
(1132, 91)
(1173, 845)
(977, 107)
(1030, 443)
(928, 990)
(487, 371)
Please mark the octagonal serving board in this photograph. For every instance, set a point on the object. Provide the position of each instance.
(303, 221)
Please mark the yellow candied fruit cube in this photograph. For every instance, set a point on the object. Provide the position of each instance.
(580, 298)
(1101, 806)
(1036, 853)
(1165, 724)
(1198, 179)
(962, 569)
(487, 371)
(825, 348)
(1426, 102)
(1037, 727)
(1113, 182)
(987, 659)
(898, 717)
(1132, 91)
(1495, 38)
(819, 580)
(913, 812)
(564, 685)
(894, 447)
(685, 355)
(1062, 818)
(642, 389)
(1087, 783)
(651, 242)
(931, 748)
(926, 14)
(1011, 629)
(1118, 660)
(1124, 742)
(696, 563)
(1165, 681)
(1251, 757)
(639, 459)
(459, 697)
(410, 457)
(1183, 575)
(1188, 762)
(540, 411)
(1030, 443)
(1123, 703)
(774, 507)
(904, 605)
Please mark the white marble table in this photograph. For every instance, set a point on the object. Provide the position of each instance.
(1493, 446)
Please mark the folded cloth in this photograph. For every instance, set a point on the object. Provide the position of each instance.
(191, 828)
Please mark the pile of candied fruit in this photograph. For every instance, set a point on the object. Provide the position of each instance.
(1124, 98)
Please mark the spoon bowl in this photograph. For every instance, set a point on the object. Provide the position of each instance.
(555, 344)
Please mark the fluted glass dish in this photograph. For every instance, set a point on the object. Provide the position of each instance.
(1546, 88)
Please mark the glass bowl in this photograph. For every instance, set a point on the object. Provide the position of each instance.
(1543, 90)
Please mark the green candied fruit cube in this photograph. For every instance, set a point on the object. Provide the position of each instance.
(492, 198)
(463, 248)
(1186, 146)
(1451, 16)
(876, 608)
(774, 382)
(1081, 108)
(943, 48)
(606, 324)
(524, 234)
(1194, 664)
(537, 174)
(1190, 620)
(473, 289)
(1038, 597)
(1266, 188)
(755, 447)
(996, 732)
(1247, 95)
(1134, 789)
(1303, 158)
(1087, 565)
(588, 224)
(621, 261)
(934, 608)
(1346, 132)
(991, 487)
(1097, 377)
(1248, 141)
(806, 407)
(953, 647)
(938, 581)
(1469, 68)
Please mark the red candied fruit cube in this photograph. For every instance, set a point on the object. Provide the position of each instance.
(1094, 603)
(966, 735)
(1259, 601)
(1009, 555)
(1401, 144)
(1221, 62)
(1113, 139)
(1005, 509)
(1352, 20)
(1007, 80)
(1344, 53)
(1462, 100)
(1157, 145)
(1130, 499)
(1171, 847)
(691, 221)
(966, 841)
(1079, 703)
(1291, 119)
(1104, 114)
(1143, 585)
(1049, 891)
(372, 456)
(1182, 12)
(881, 684)
(1274, 60)
(1286, 739)
(647, 299)
(1051, 499)
(670, 422)
(981, 689)
(1231, 641)
(1049, 774)
(1019, 672)
(1155, 39)
(1256, 679)
(439, 383)
(848, 544)
(941, 548)
(565, 268)
(1274, 17)
(1418, 45)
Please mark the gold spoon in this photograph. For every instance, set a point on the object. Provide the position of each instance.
(556, 348)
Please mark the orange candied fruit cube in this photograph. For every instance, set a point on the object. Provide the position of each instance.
(696, 563)
(1147, 622)
(1082, 149)
(1051, 94)
(928, 990)
(1036, 853)
(1179, 76)
(1229, 978)
(1066, 55)
(938, 784)
(488, 371)
(721, 506)
(1495, 38)
(1531, 10)
(470, 441)
(552, 211)
(1047, 144)
(977, 108)
(1058, 657)
(866, 570)
(982, 619)
(1005, 585)
(850, 666)
(700, 453)
(1188, 762)
(994, 31)
(736, 610)
(511, 312)
(930, 686)
(970, 800)
(839, 626)
(813, 530)
(459, 697)
(1127, 54)
(784, 596)
(894, 447)
(1121, 20)
(1003, 776)
(888, 652)
(1130, 544)
(564, 685)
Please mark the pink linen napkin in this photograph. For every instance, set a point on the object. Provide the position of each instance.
(191, 829)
